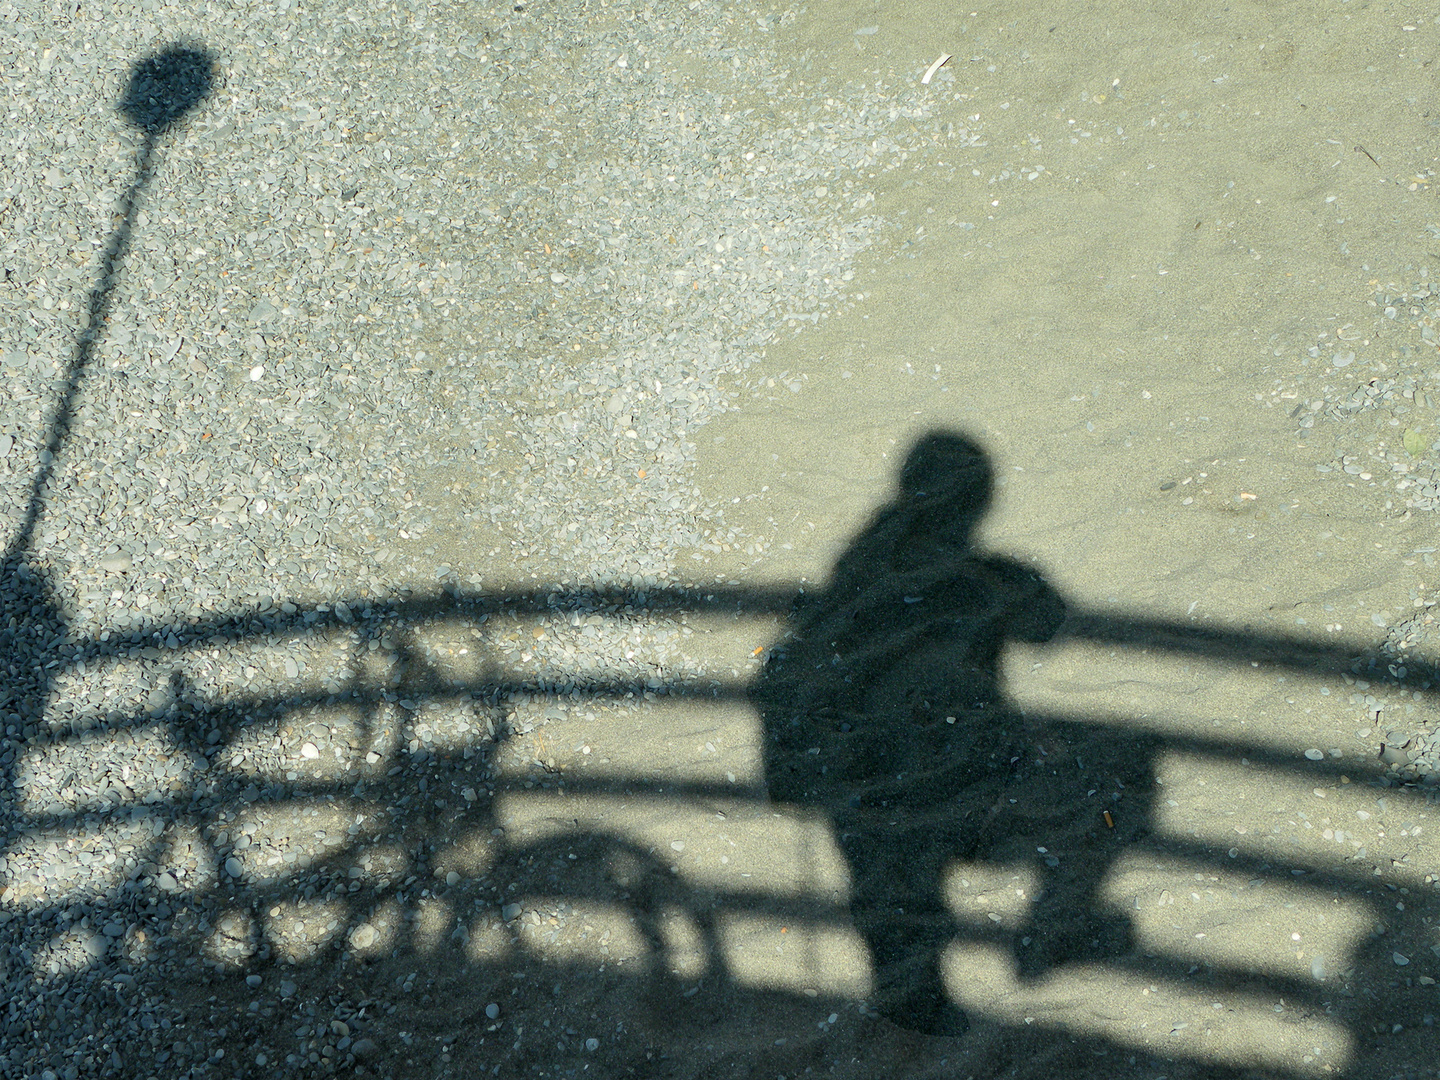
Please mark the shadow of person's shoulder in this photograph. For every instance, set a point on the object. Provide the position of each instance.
(1035, 609)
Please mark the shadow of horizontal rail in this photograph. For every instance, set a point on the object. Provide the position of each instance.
(1207, 643)
(232, 711)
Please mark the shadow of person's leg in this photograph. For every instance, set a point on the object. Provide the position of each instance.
(1070, 924)
(1087, 802)
(898, 908)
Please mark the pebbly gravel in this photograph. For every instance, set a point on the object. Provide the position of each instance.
(378, 459)
(1367, 403)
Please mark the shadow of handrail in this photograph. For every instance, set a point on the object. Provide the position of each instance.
(1204, 643)
(366, 618)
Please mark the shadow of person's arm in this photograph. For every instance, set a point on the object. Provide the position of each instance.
(1034, 610)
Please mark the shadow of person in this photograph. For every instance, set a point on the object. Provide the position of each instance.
(886, 711)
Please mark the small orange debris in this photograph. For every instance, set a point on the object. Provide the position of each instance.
(1109, 821)
(641, 474)
(758, 650)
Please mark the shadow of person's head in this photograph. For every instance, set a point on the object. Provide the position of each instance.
(943, 491)
(945, 465)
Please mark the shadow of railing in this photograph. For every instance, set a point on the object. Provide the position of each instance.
(421, 865)
(417, 816)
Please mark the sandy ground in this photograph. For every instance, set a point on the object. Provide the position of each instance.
(1134, 869)
(1136, 316)
(1021, 788)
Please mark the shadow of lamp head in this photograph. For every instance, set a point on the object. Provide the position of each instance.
(166, 86)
